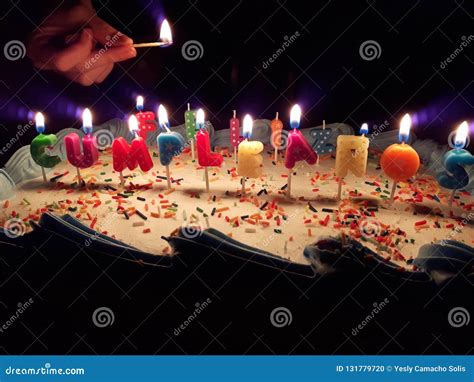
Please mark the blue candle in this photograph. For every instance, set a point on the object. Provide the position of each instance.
(455, 176)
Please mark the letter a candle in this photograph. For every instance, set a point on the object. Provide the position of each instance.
(250, 163)
(170, 143)
(206, 158)
(39, 145)
(125, 156)
(297, 148)
(455, 177)
(400, 161)
(90, 154)
(351, 155)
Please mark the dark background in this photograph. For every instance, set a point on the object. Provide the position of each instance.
(322, 69)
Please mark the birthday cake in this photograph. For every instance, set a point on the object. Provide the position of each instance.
(137, 208)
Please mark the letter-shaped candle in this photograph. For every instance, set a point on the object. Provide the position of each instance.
(170, 143)
(351, 155)
(277, 126)
(234, 134)
(400, 161)
(297, 148)
(206, 158)
(89, 154)
(130, 156)
(39, 145)
(146, 119)
(190, 128)
(456, 177)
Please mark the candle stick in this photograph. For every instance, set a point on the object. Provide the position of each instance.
(400, 161)
(234, 124)
(351, 155)
(146, 119)
(165, 37)
(297, 148)
(90, 154)
(39, 145)
(250, 163)
(131, 156)
(277, 126)
(324, 128)
(190, 128)
(206, 158)
(170, 143)
(455, 176)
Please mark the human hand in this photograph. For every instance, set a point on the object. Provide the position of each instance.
(79, 45)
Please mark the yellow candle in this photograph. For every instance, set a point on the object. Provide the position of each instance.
(250, 161)
(351, 155)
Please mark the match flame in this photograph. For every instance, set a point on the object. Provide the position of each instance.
(163, 117)
(247, 126)
(405, 126)
(364, 129)
(165, 32)
(140, 103)
(39, 120)
(295, 116)
(461, 135)
(87, 121)
(133, 124)
(200, 119)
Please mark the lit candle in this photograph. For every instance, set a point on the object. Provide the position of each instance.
(351, 155)
(39, 145)
(206, 158)
(190, 128)
(125, 156)
(297, 148)
(234, 136)
(170, 143)
(250, 163)
(277, 126)
(146, 119)
(400, 161)
(456, 177)
(89, 154)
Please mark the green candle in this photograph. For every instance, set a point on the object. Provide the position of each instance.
(39, 145)
(190, 123)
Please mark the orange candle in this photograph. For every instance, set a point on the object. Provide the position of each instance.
(400, 161)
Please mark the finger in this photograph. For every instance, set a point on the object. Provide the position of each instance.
(106, 56)
(92, 75)
(74, 53)
(104, 33)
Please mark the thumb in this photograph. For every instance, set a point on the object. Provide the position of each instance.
(74, 53)
(104, 33)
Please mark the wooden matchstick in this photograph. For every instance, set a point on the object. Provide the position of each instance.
(168, 178)
(44, 175)
(151, 44)
(392, 194)
(243, 185)
(206, 176)
(288, 189)
(339, 189)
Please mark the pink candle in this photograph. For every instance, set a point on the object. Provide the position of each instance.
(206, 158)
(146, 119)
(89, 154)
(130, 156)
(234, 125)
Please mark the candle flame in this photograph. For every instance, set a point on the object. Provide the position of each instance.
(247, 126)
(200, 119)
(364, 129)
(461, 135)
(163, 117)
(133, 124)
(165, 32)
(295, 116)
(405, 126)
(140, 103)
(39, 120)
(87, 121)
